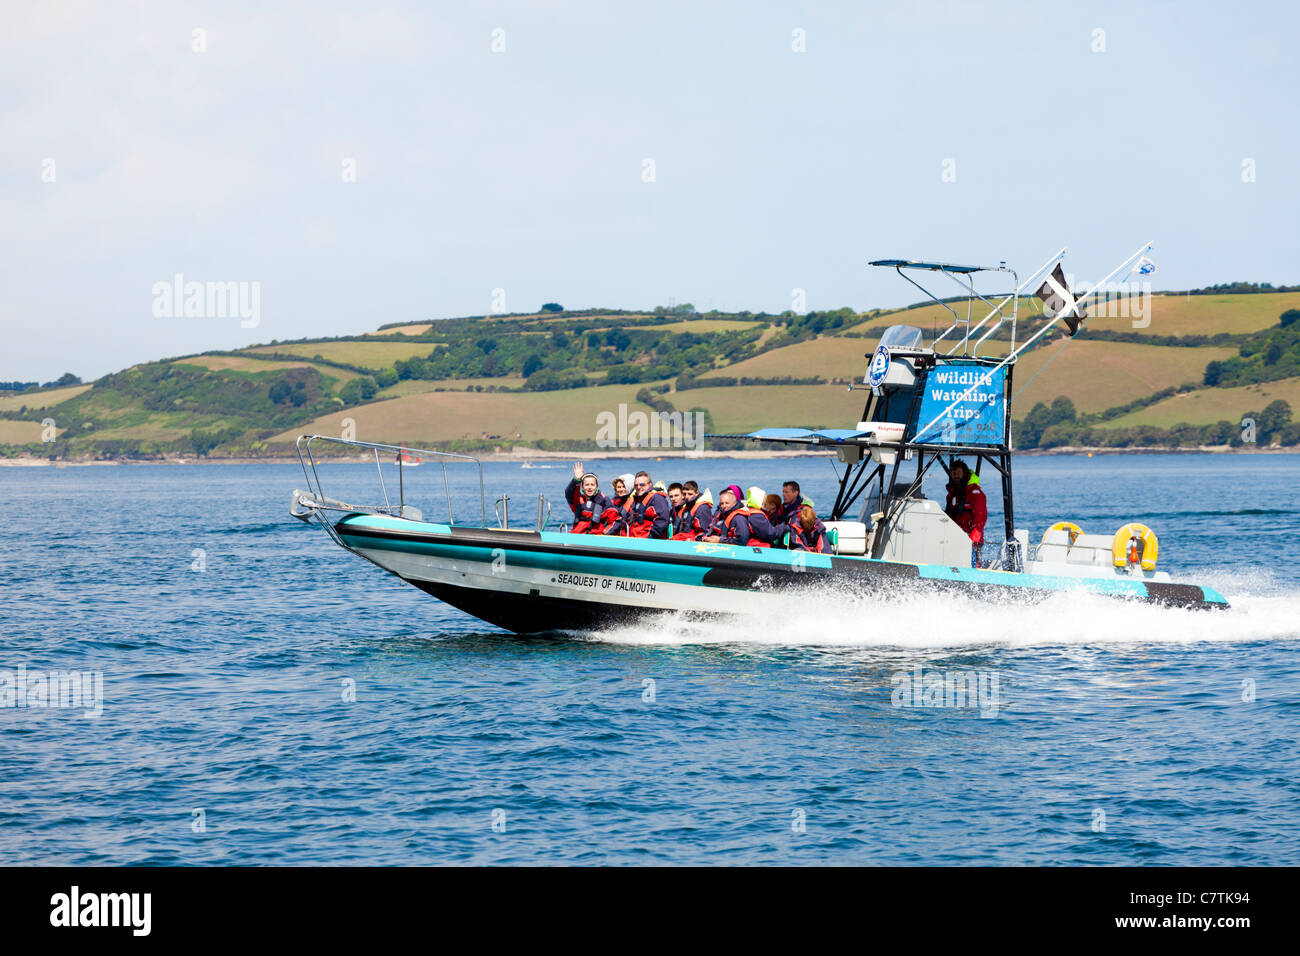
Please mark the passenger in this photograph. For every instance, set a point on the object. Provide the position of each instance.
(791, 499)
(585, 499)
(730, 525)
(772, 511)
(967, 506)
(622, 486)
(614, 518)
(761, 532)
(676, 508)
(807, 533)
(648, 511)
(697, 513)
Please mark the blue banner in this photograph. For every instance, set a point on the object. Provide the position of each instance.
(977, 419)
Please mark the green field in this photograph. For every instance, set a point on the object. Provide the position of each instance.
(1095, 375)
(703, 326)
(117, 417)
(1170, 315)
(1206, 406)
(1205, 314)
(419, 328)
(931, 318)
(43, 399)
(571, 413)
(372, 355)
(413, 386)
(241, 363)
(19, 433)
(739, 410)
(158, 426)
(551, 317)
(1100, 375)
(442, 416)
(827, 356)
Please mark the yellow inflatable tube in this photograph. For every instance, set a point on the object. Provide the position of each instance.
(1069, 526)
(1146, 553)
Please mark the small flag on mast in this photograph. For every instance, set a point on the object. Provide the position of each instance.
(1144, 267)
(1057, 298)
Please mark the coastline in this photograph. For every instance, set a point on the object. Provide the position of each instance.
(522, 455)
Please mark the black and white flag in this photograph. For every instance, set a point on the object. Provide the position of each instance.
(1057, 298)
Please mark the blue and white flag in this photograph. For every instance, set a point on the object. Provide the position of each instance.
(1144, 267)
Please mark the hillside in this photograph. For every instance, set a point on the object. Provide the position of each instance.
(1189, 376)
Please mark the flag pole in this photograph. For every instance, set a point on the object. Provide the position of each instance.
(1008, 298)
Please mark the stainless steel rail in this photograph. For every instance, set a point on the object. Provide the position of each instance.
(315, 499)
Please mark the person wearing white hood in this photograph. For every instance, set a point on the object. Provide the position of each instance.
(614, 520)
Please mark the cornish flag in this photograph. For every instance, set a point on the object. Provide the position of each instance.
(1057, 298)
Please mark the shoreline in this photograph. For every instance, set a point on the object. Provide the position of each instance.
(528, 455)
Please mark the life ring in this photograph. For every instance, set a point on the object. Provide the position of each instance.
(1069, 526)
(1146, 549)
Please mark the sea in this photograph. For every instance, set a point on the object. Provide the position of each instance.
(251, 693)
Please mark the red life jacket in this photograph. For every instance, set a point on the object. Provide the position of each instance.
(642, 515)
(816, 540)
(760, 523)
(691, 530)
(585, 515)
(742, 510)
(677, 517)
(616, 514)
(747, 512)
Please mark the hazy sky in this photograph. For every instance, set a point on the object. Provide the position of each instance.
(524, 170)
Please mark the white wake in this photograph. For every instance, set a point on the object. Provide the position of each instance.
(1261, 610)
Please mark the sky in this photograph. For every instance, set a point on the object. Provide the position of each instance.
(368, 163)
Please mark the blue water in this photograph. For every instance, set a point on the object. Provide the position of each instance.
(1122, 734)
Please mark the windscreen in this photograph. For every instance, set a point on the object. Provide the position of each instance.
(901, 337)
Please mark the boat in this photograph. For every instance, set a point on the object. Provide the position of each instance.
(926, 405)
(407, 459)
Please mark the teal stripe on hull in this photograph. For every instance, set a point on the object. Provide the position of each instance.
(612, 566)
(1037, 582)
(777, 557)
(1114, 587)
(394, 524)
(1212, 596)
(625, 564)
